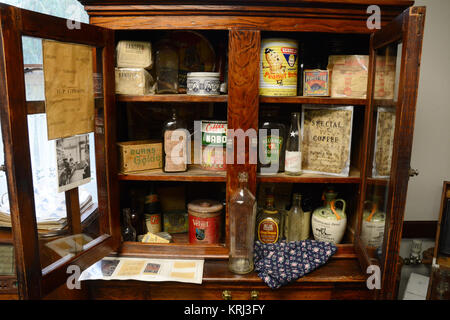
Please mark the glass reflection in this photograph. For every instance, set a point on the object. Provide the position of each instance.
(385, 95)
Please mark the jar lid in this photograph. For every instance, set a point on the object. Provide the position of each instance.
(205, 206)
(204, 74)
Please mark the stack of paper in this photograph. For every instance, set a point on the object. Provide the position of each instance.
(51, 214)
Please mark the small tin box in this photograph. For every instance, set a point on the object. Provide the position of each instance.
(316, 83)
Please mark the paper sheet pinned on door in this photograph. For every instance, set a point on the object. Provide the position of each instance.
(157, 270)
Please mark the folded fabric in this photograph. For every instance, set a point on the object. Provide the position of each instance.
(278, 264)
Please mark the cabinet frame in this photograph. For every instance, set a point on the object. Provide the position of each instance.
(244, 24)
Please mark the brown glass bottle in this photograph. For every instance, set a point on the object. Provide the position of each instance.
(269, 221)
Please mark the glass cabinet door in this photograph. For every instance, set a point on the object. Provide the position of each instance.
(394, 61)
(57, 223)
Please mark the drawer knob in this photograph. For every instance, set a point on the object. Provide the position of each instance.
(226, 295)
(254, 295)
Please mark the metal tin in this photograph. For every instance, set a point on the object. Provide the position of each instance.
(279, 66)
(214, 139)
(316, 83)
(205, 221)
(203, 83)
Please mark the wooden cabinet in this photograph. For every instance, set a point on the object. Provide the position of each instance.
(325, 27)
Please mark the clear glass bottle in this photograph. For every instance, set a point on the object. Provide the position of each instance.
(293, 158)
(242, 211)
(128, 232)
(166, 65)
(297, 223)
(175, 139)
(269, 223)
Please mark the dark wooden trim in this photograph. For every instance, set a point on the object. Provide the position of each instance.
(419, 229)
(197, 22)
(73, 211)
(243, 102)
(413, 25)
(400, 3)
(314, 100)
(34, 24)
(171, 98)
(53, 274)
(17, 156)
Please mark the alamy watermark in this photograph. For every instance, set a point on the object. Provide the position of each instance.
(374, 20)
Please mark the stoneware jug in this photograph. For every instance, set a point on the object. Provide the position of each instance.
(329, 222)
(372, 229)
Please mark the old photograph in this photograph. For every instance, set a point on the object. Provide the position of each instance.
(74, 165)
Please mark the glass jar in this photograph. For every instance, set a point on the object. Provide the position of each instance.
(242, 212)
(166, 65)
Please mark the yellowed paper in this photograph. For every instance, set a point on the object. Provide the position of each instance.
(384, 143)
(182, 265)
(131, 268)
(155, 270)
(326, 139)
(69, 88)
(184, 275)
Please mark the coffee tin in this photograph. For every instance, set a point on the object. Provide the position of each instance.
(279, 65)
(214, 139)
(205, 221)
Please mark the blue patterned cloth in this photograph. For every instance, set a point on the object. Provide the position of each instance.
(278, 264)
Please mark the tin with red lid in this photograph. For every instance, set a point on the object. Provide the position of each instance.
(205, 221)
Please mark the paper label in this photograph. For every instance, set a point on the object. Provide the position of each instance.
(293, 161)
(69, 88)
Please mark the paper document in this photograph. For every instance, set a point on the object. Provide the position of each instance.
(110, 268)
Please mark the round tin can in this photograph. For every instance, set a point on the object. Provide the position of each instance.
(203, 83)
(205, 224)
(279, 65)
(214, 140)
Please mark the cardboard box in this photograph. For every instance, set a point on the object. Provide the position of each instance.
(134, 54)
(134, 81)
(140, 155)
(349, 76)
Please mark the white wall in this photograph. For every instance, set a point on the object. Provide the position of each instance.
(431, 146)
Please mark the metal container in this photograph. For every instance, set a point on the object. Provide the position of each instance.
(205, 221)
(214, 140)
(279, 67)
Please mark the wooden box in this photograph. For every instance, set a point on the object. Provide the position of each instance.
(140, 155)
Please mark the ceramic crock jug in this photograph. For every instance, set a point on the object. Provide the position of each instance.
(329, 222)
(374, 220)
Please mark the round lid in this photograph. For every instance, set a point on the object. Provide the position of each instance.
(203, 74)
(205, 206)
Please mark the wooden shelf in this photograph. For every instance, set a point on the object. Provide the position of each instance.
(171, 98)
(354, 177)
(313, 100)
(186, 250)
(193, 174)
